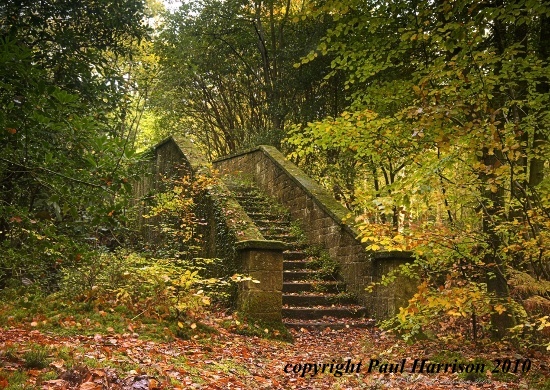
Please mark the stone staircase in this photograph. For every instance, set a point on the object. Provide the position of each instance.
(313, 294)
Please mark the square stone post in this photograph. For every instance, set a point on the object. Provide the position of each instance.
(263, 262)
(386, 300)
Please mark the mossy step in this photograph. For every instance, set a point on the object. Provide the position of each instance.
(275, 229)
(296, 246)
(256, 206)
(305, 275)
(329, 323)
(259, 204)
(247, 195)
(255, 216)
(301, 286)
(296, 264)
(295, 255)
(284, 236)
(317, 299)
(241, 188)
(318, 312)
(266, 223)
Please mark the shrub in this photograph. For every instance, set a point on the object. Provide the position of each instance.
(158, 288)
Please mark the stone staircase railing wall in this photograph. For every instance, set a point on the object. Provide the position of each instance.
(322, 219)
(227, 232)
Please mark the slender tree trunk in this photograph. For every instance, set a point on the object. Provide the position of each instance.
(497, 285)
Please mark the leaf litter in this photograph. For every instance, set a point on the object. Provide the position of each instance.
(226, 360)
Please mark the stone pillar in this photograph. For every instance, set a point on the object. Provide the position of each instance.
(386, 300)
(263, 262)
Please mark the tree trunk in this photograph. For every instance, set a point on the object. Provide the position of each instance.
(497, 286)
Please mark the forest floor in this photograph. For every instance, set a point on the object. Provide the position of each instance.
(218, 356)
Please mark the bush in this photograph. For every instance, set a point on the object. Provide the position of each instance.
(158, 288)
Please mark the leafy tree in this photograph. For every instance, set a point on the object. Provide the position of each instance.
(227, 74)
(62, 142)
(454, 95)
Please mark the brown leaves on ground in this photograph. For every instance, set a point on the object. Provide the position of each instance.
(224, 360)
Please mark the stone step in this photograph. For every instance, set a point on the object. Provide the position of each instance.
(240, 190)
(328, 323)
(296, 246)
(318, 312)
(285, 237)
(328, 287)
(255, 207)
(295, 264)
(297, 275)
(266, 223)
(294, 255)
(307, 300)
(267, 216)
(305, 275)
(239, 195)
(274, 229)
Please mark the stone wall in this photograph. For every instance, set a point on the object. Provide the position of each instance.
(164, 160)
(322, 219)
(227, 232)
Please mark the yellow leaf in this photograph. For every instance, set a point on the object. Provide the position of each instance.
(500, 309)
(180, 324)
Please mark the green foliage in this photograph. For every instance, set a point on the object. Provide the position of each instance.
(441, 312)
(174, 218)
(442, 149)
(321, 261)
(228, 79)
(37, 357)
(65, 151)
(160, 289)
(296, 231)
(16, 380)
(178, 218)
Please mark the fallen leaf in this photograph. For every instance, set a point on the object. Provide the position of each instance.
(57, 364)
(91, 386)
(56, 384)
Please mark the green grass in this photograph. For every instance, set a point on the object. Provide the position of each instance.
(16, 380)
(9, 353)
(38, 356)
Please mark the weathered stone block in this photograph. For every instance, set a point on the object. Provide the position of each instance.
(262, 259)
(264, 305)
(269, 281)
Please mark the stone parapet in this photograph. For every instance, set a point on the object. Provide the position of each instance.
(322, 219)
(227, 232)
